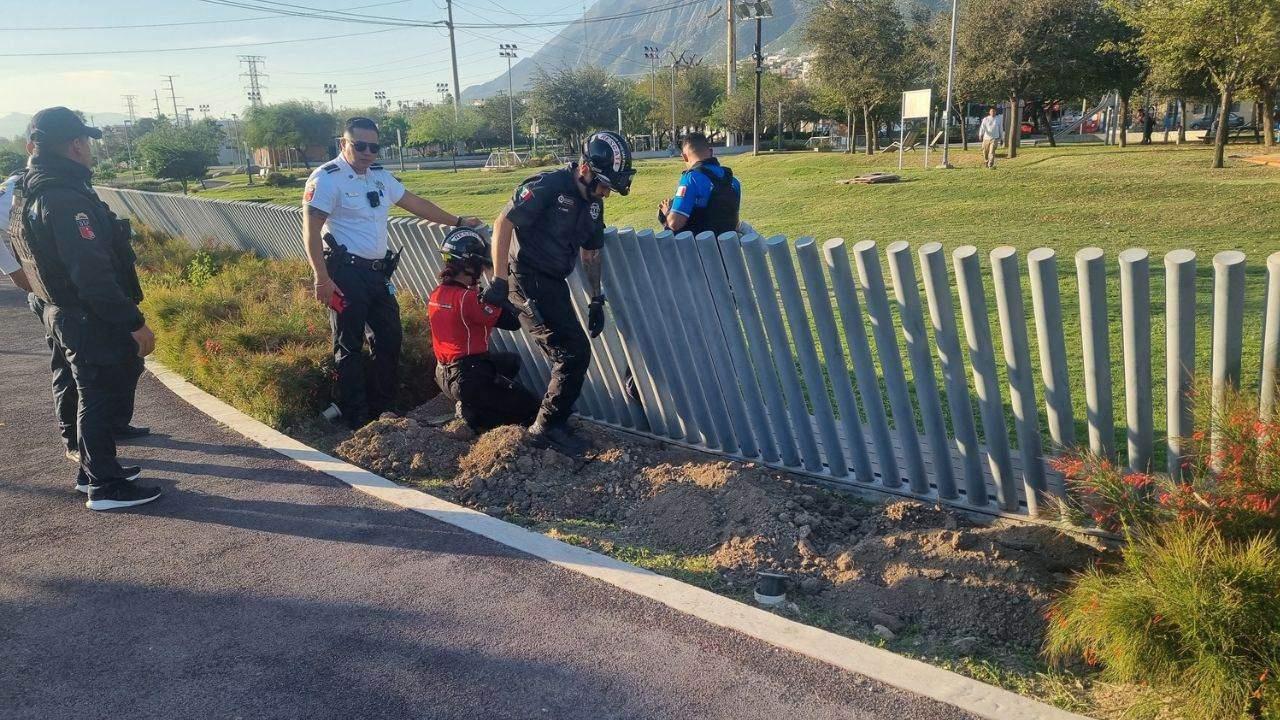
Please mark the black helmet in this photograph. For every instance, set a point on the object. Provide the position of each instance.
(609, 157)
(466, 244)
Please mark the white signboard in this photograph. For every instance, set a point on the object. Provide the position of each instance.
(916, 103)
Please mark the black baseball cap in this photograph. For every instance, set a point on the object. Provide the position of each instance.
(57, 124)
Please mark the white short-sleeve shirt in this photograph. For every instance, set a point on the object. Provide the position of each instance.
(8, 263)
(335, 188)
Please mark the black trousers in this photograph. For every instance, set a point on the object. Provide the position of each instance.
(560, 336)
(365, 390)
(101, 391)
(485, 385)
(66, 399)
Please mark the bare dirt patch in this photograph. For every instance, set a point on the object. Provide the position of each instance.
(903, 569)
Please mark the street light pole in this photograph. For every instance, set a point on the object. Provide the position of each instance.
(330, 89)
(756, 10)
(508, 51)
(946, 115)
(651, 54)
(674, 64)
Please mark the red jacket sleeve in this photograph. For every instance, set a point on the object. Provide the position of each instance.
(476, 312)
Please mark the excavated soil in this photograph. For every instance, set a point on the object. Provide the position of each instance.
(900, 568)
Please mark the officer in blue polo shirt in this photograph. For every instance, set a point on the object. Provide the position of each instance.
(708, 196)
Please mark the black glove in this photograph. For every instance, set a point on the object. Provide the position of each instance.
(497, 293)
(595, 316)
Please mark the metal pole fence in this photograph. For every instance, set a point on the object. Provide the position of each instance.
(758, 349)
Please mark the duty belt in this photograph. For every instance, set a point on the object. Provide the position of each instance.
(365, 263)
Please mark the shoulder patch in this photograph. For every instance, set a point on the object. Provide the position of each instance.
(85, 226)
(680, 190)
(310, 191)
(330, 168)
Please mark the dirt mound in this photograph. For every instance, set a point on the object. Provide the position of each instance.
(917, 570)
(403, 448)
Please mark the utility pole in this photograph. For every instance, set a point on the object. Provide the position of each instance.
(756, 10)
(156, 94)
(172, 96)
(779, 126)
(946, 115)
(128, 143)
(508, 51)
(731, 57)
(330, 89)
(453, 53)
(255, 76)
(651, 54)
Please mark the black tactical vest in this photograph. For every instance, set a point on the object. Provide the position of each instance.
(721, 213)
(36, 250)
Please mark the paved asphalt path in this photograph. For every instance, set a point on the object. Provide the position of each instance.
(257, 588)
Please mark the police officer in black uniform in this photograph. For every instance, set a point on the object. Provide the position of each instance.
(81, 268)
(557, 218)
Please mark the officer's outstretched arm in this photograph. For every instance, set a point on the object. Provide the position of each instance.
(85, 248)
(429, 211)
(502, 230)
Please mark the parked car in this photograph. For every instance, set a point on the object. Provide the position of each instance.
(1208, 123)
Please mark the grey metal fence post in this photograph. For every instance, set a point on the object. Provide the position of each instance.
(1091, 273)
(792, 300)
(1017, 360)
(1180, 352)
(977, 330)
(1042, 266)
(824, 320)
(784, 362)
(1228, 335)
(650, 311)
(933, 267)
(1270, 341)
(864, 368)
(684, 360)
(731, 251)
(752, 427)
(871, 280)
(630, 312)
(688, 288)
(1135, 318)
(906, 291)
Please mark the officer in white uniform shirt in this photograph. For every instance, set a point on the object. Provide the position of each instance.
(8, 263)
(345, 230)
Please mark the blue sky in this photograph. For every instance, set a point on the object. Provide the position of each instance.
(406, 63)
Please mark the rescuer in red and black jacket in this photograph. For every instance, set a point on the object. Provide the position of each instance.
(482, 382)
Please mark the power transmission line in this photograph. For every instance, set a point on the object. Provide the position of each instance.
(194, 47)
(173, 96)
(69, 28)
(254, 90)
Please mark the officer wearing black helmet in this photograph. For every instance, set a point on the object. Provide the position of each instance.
(480, 381)
(81, 270)
(557, 218)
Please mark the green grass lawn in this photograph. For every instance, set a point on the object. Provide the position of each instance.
(1156, 197)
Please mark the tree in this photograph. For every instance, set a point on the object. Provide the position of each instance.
(1007, 48)
(439, 124)
(11, 162)
(292, 125)
(175, 153)
(1223, 38)
(495, 115)
(570, 103)
(859, 54)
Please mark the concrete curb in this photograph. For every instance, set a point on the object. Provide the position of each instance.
(911, 675)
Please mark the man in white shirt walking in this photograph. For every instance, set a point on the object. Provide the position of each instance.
(991, 132)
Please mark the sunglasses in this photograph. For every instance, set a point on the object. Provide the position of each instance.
(362, 146)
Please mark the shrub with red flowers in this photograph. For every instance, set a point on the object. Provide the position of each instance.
(1190, 615)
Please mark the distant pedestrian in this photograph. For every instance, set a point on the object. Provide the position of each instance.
(1147, 121)
(991, 132)
(80, 265)
(344, 230)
